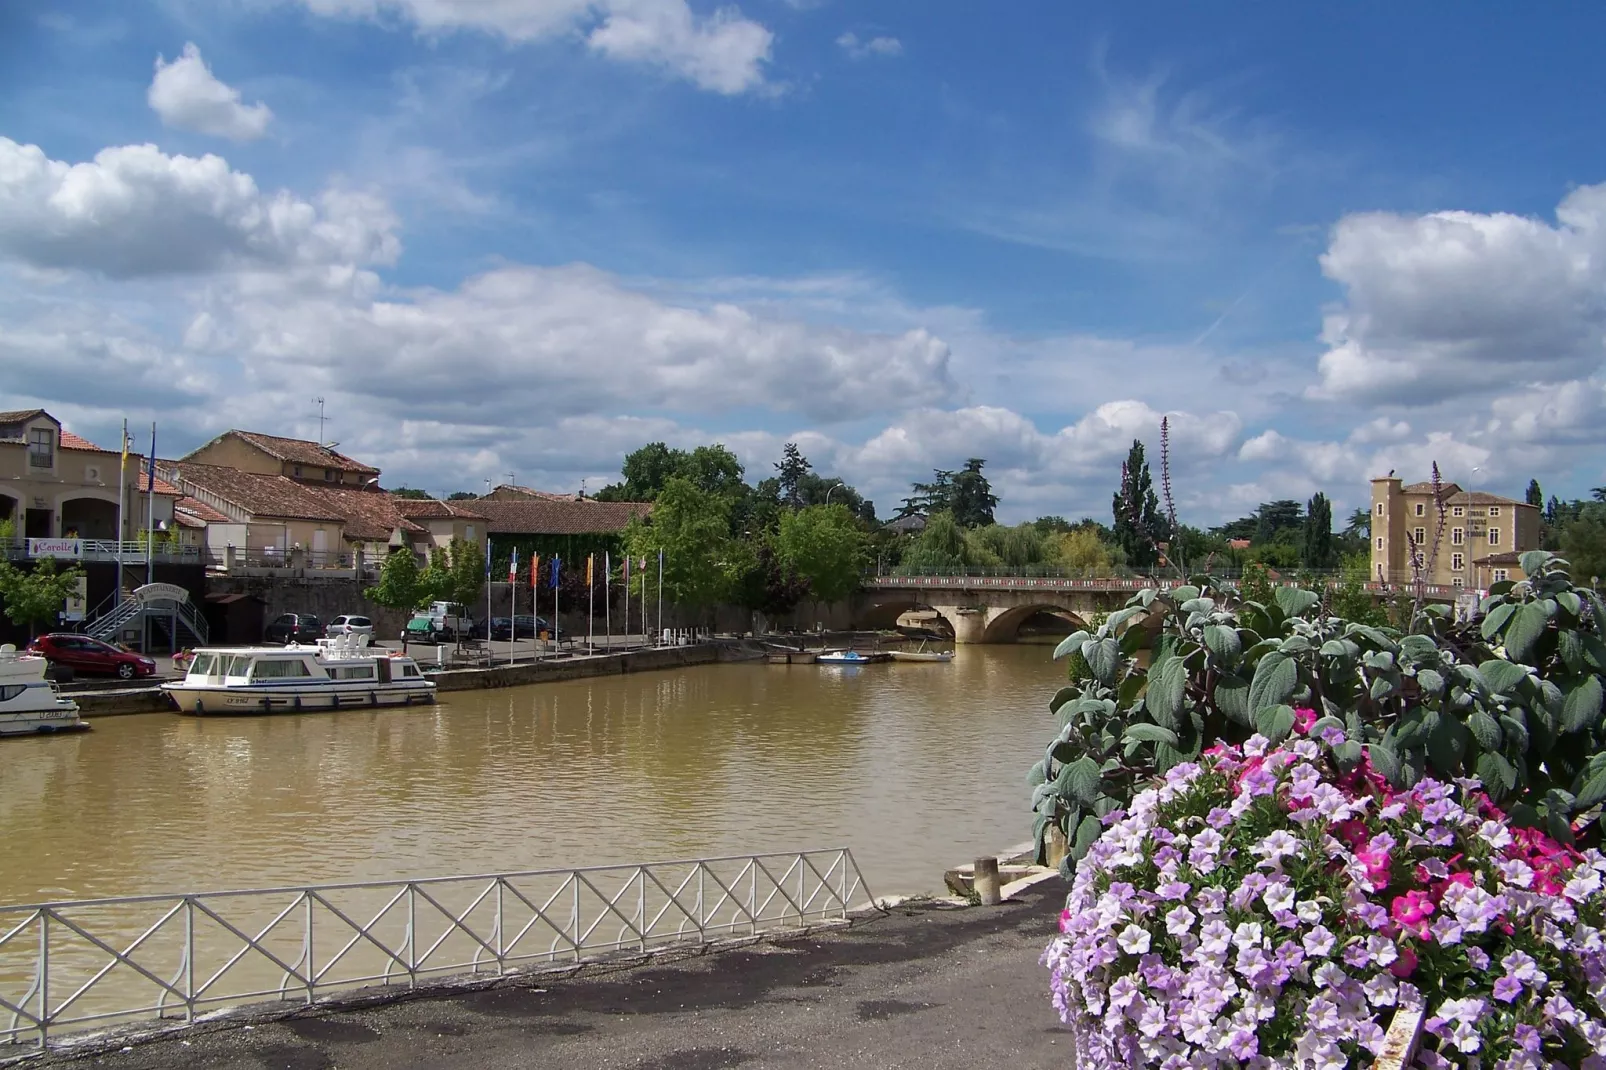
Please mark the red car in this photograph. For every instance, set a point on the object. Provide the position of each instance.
(91, 656)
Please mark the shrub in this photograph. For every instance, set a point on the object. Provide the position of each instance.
(1263, 907)
(1514, 698)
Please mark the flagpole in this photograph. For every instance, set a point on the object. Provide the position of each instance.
(607, 596)
(150, 509)
(557, 566)
(626, 578)
(591, 603)
(660, 594)
(122, 501)
(490, 659)
(512, 608)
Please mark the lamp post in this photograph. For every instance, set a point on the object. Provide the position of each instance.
(834, 488)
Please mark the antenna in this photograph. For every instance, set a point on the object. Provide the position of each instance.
(512, 478)
(319, 402)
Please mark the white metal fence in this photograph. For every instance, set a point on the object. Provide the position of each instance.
(72, 966)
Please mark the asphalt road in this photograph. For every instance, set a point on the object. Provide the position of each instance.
(919, 988)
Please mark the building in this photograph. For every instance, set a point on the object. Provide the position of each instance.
(55, 484)
(292, 458)
(556, 515)
(1478, 541)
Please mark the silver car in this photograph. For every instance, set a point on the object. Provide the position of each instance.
(351, 624)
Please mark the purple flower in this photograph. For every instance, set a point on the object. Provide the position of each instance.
(1318, 942)
(1219, 818)
(1507, 988)
(1333, 736)
(1174, 890)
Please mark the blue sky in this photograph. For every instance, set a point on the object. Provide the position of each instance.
(528, 235)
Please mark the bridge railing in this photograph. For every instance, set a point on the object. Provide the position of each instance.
(72, 965)
(1013, 581)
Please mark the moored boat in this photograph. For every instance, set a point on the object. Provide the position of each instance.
(923, 655)
(30, 704)
(851, 657)
(339, 673)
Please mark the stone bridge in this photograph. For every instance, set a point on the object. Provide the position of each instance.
(991, 609)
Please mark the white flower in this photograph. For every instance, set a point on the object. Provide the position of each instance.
(1134, 940)
(1179, 921)
(1495, 834)
(1278, 897)
(1247, 935)
(1308, 911)
(1277, 846)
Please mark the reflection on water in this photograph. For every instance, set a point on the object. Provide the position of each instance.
(915, 767)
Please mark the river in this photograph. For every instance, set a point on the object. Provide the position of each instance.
(915, 767)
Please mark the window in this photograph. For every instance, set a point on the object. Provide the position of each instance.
(1458, 510)
(1421, 536)
(1457, 536)
(470, 535)
(330, 475)
(1500, 575)
(352, 672)
(1494, 536)
(1380, 542)
(298, 471)
(279, 669)
(1457, 562)
(1494, 510)
(1421, 509)
(409, 670)
(42, 448)
(238, 666)
(11, 691)
(1457, 581)
(202, 665)
(1379, 508)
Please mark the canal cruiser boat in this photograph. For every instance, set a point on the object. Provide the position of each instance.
(30, 704)
(336, 674)
(851, 657)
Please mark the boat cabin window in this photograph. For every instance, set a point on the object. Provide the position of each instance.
(238, 666)
(409, 670)
(11, 691)
(352, 672)
(279, 669)
(203, 664)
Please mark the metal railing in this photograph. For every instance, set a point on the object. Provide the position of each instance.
(1115, 583)
(133, 552)
(73, 965)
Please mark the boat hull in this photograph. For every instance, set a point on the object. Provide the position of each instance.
(42, 722)
(862, 659)
(910, 655)
(257, 701)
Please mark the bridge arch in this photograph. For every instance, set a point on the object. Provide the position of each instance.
(883, 614)
(1004, 626)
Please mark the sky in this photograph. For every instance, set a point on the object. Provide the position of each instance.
(516, 239)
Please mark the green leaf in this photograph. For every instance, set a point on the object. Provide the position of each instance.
(1418, 647)
(1534, 561)
(1061, 697)
(1038, 774)
(1184, 593)
(1381, 685)
(1086, 832)
(1347, 754)
(1495, 772)
(1445, 746)
(1295, 601)
(1166, 757)
(1080, 780)
(1071, 643)
(1527, 625)
(1570, 601)
(1496, 619)
(1275, 679)
(1593, 791)
(1296, 644)
(1386, 762)
(1163, 699)
(1103, 657)
(1232, 698)
(1485, 729)
(1224, 643)
(1149, 733)
(1582, 705)
(1339, 648)
(1430, 681)
(1501, 676)
(1275, 722)
(1570, 647)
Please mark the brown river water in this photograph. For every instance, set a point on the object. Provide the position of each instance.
(914, 767)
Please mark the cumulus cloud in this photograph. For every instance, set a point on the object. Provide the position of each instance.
(860, 48)
(188, 96)
(724, 52)
(1455, 303)
(134, 210)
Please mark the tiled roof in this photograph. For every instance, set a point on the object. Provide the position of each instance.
(1510, 557)
(435, 509)
(548, 517)
(512, 492)
(370, 515)
(70, 441)
(1427, 488)
(202, 512)
(16, 416)
(300, 451)
(1478, 497)
(261, 495)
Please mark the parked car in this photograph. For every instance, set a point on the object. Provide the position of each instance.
(91, 656)
(499, 628)
(426, 629)
(521, 626)
(291, 628)
(351, 624)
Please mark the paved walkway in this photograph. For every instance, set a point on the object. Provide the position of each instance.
(920, 988)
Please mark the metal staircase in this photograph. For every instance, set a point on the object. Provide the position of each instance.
(165, 614)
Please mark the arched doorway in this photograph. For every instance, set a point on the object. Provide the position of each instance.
(88, 518)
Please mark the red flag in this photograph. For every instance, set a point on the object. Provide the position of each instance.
(535, 569)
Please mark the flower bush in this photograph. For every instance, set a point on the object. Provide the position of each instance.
(1263, 907)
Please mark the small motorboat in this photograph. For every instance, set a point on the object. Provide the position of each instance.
(30, 705)
(851, 657)
(337, 674)
(923, 654)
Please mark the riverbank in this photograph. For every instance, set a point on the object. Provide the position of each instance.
(120, 701)
(922, 986)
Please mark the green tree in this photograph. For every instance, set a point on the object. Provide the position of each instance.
(825, 546)
(467, 572)
(36, 596)
(1318, 542)
(1360, 525)
(1583, 542)
(1083, 549)
(936, 496)
(435, 581)
(1012, 547)
(410, 492)
(1140, 526)
(973, 500)
(398, 586)
(791, 469)
(461, 496)
(940, 546)
(764, 583)
(1535, 496)
(692, 527)
(1350, 597)
(1277, 516)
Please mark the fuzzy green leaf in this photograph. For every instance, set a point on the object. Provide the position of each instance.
(1163, 699)
(1386, 762)
(1496, 619)
(1224, 643)
(1527, 625)
(1495, 772)
(1275, 722)
(1275, 679)
(1582, 705)
(1593, 790)
(1080, 781)
(1295, 601)
(1071, 644)
(1485, 729)
(1232, 697)
(1430, 681)
(1103, 657)
(1061, 697)
(1501, 676)
(1149, 733)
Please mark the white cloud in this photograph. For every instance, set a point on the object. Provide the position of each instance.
(187, 95)
(134, 210)
(858, 48)
(1452, 304)
(724, 52)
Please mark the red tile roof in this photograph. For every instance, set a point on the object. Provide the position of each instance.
(262, 495)
(567, 517)
(302, 451)
(204, 514)
(70, 441)
(435, 509)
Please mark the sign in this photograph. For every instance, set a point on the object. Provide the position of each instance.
(73, 548)
(77, 603)
(161, 592)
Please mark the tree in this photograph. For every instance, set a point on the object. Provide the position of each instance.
(36, 596)
(1583, 542)
(467, 572)
(1360, 524)
(936, 496)
(692, 528)
(398, 586)
(973, 500)
(765, 584)
(1273, 517)
(791, 469)
(825, 546)
(1535, 496)
(410, 492)
(1052, 525)
(1139, 525)
(1318, 542)
(1012, 547)
(1081, 548)
(435, 581)
(461, 496)
(941, 545)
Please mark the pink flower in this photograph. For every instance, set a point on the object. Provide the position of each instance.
(1412, 911)
(1405, 965)
(1066, 921)
(1377, 866)
(1303, 719)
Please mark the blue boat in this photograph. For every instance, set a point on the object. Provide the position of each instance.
(850, 657)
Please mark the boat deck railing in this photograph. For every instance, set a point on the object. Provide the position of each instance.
(68, 967)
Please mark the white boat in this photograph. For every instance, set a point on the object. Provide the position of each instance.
(29, 703)
(337, 674)
(922, 655)
(850, 657)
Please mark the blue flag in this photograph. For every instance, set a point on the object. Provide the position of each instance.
(150, 467)
(555, 563)
(487, 560)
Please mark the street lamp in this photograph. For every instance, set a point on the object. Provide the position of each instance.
(834, 488)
